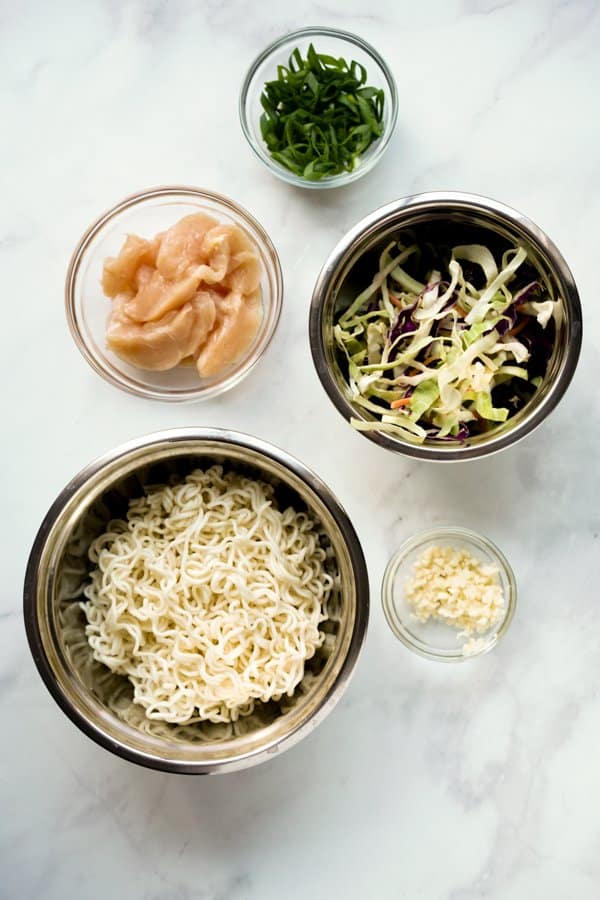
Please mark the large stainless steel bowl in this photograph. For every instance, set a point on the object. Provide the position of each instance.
(460, 218)
(98, 701)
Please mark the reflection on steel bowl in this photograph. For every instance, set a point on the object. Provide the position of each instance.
(98, 700)
(445, 326)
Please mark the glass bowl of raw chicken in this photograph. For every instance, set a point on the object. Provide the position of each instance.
(174, 294)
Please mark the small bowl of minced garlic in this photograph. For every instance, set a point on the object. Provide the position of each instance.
(449, 594)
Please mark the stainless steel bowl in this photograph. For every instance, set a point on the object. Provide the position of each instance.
(466, 217)
(98, 701)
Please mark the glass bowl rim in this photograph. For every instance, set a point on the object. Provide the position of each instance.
(331, 181)
(270, 320)
(465, 536)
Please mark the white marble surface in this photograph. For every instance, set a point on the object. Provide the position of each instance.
(427, 781)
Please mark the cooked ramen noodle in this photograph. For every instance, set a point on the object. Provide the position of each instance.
(208, 597)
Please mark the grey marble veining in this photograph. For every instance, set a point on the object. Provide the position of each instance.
(433, 782)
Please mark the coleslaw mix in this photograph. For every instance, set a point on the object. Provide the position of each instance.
(445, 343)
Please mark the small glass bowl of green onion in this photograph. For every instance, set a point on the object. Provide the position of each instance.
(318, 107)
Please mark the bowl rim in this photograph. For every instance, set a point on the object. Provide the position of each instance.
(123, 382)
(465, 536)
(436, 202)
(331, 181)
(170, 439)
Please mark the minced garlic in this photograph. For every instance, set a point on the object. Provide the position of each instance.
(474, 646)
(453, 586)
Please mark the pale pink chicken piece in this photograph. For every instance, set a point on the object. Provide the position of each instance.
(143, 276)
(118, 274)
(219, 247)
(182, 245)
(240, 319)
(236, 239)
(190, 294)
(160, 345)
(204, 305)
(244, 272)
(158, 295)
(221, 243)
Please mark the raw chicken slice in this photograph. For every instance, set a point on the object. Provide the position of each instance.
(219, 246)
(181, 245)
(205, 312)
(118, 274)
(237, 240)
(143, 276)
(189, 295)
(244, 272)
(159, 296)
(153, 345)
(241, 318)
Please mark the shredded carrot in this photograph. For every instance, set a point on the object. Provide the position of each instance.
(396, 404)
(429, 359)
(396, 301)
(460, 310)
(514, 331)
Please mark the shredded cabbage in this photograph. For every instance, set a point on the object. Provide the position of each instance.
(442, 350)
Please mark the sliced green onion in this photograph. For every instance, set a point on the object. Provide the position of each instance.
(319, 115)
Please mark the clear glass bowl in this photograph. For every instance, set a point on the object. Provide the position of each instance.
(435, 639)
(146, 214)
(338, 44)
